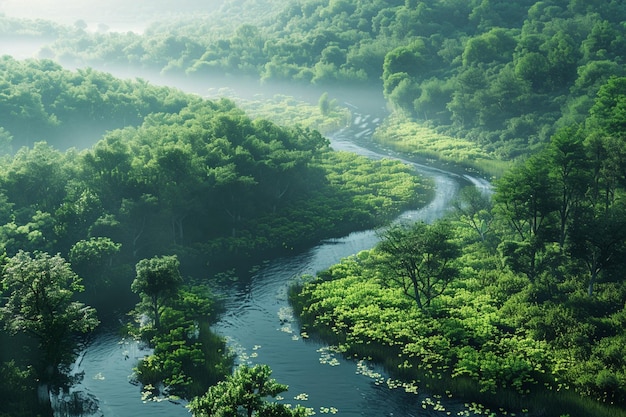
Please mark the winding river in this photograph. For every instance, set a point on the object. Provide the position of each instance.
(260, 326)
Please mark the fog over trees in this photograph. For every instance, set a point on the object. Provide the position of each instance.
(121, 189)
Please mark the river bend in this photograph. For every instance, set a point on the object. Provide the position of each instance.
(260, 327)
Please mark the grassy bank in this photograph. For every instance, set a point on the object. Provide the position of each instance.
(404, 135)
(463, 348)
(288, 111)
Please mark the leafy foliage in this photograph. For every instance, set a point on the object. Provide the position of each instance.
(502, 75)
(158, 279)
(39, 290)
(187, 357)
(244, 394)
(538, 302)
(419, 259)
(194, 178)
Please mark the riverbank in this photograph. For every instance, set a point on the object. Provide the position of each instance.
(413, 139)
(466, 346)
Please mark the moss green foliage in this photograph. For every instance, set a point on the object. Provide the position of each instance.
(42, 101)
(187, 356)
(285, 110)
(38, 292)
(192, 177)
(245, 393)
(411, 137)
(484, 329)
(174, 174)
(535, 317)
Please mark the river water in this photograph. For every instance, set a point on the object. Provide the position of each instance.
(260, 327)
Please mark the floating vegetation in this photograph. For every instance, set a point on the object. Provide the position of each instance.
(286, 329)
(363, 368)
(153, 394)
(328, 410)
(285, 314)
(328, 357)
(435, 405)
(99, 377)
(301, 397)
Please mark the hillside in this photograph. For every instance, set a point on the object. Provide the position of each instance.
(502, 74)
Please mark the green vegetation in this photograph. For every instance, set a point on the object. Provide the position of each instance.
(175, 182)
(38, 290)
(502, 75)
(530, 312)
(187, 357)
(245, 394)
(519, 297)
(410, 137)
(284, 110)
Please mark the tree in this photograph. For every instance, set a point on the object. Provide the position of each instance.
(94, 258)
(420, 259)
(243, 394)
(324, 104)
(598, 239)
(569, 172)
(526, 198)
(158, 280)
(39, 290)
(473, 209)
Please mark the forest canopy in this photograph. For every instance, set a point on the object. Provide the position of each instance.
(502, 74)
(519, 291)
(164, 173)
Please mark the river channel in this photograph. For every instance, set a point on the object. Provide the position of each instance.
(259, 325)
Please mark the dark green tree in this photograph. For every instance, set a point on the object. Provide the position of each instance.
(474, 209)
(420, 259)
(598, 239)
(157, 281)
(569, 171)
(525, 198)
(93, 259)
(39, 289)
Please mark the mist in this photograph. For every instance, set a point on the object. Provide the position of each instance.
(112, 15)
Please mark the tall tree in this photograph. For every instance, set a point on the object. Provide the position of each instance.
(525, 198)
(39, 290)
(473, 209)
(420, 258)
(569, 173)
(158, 280)
(598, 239)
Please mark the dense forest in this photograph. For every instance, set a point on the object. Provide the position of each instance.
(176, 186)
(503, 74)
(519, 292)
(517, 298)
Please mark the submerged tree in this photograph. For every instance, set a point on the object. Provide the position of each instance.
(39, 290)
(158, 279)
(244, 394)
(420, 259)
